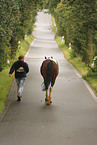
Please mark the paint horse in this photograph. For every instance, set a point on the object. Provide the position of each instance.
(49, 71)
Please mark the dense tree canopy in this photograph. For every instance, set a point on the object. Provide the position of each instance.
(77, 21)
(17, 18)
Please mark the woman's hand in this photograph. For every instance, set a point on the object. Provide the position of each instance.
(10, 75)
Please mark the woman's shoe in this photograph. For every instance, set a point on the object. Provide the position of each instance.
(19, 98)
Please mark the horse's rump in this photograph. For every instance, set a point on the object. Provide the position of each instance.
(49, 71)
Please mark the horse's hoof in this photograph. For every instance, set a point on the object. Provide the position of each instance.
(48, 103)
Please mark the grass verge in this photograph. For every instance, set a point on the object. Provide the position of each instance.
(5, 80)
(75, 61)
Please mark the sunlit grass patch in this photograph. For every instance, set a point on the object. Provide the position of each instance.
(93, 81)
(5, 83)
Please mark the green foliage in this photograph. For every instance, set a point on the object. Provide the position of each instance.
(16, 20)
(63, 22)
(53, 4)
(9, 17)
(92, 79)
(84, 70)
(77, 22)
(88, 73)
(5, 83)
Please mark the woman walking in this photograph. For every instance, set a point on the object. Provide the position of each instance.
(21, 69)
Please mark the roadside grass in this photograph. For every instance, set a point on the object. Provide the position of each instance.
(92, 81)
(5, 83)
(5, 80)
(75, 61)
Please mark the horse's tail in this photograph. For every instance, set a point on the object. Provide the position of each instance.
(48, 75)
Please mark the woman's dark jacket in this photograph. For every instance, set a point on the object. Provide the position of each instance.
(21, 69)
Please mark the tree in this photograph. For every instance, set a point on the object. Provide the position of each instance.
(8, 18)
(52, 4)
(79, 25)
(27, 10)
(17, 18)
(62, 17)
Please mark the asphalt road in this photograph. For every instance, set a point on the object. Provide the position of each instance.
(72, 117)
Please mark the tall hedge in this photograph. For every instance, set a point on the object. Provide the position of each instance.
(16, 20)
(77, 21)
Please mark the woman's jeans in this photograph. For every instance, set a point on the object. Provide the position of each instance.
(20, 85)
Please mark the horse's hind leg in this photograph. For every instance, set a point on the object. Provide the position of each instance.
(50, 97)
(46, 95)
(47, 98)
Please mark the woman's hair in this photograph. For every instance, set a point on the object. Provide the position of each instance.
(21, 57)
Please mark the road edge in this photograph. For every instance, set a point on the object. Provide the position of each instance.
(87, 85)
(11, 89)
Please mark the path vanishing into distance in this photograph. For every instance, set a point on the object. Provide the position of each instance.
(72, 117)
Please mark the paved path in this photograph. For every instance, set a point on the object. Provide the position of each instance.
(72, 117)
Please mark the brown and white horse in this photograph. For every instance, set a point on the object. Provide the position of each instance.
(49, 71)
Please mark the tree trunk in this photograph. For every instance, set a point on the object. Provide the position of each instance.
(13, 46)
(90, 45)
(67, 40)
(88, 53)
